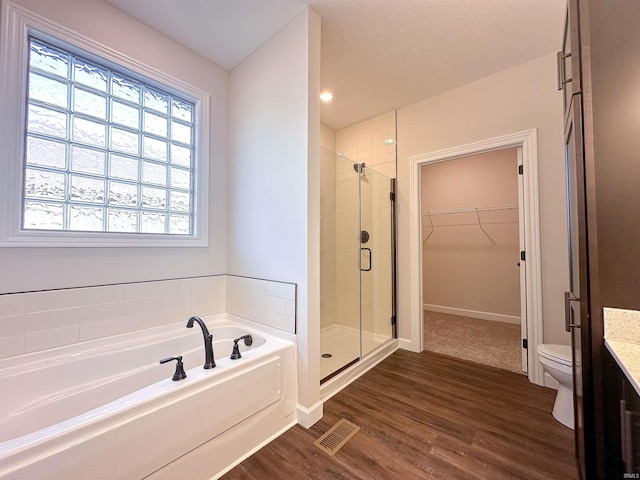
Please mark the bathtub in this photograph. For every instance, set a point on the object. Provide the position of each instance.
(107, 408)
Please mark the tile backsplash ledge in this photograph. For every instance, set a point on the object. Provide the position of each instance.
(31, 322)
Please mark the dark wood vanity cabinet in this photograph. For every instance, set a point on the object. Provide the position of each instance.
(599, 73)
(622, 423)
(630, 429)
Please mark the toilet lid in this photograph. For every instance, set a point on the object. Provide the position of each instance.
(558, 353)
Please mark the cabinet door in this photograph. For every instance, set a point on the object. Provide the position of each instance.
(577, 300)
(569, 57)
(630, 429)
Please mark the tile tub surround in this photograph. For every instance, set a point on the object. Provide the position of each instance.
(267, 302)
(622, 339)
(36, 321)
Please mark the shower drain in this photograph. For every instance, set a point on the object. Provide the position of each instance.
(326, 355)
(336, 436)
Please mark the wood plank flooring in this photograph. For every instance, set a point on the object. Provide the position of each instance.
(427, 416)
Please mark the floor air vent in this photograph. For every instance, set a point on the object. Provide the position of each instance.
(336, 436)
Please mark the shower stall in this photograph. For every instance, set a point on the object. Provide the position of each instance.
(357, 262)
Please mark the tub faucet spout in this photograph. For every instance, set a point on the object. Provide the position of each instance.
(209, 362)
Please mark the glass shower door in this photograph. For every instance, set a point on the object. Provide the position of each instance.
(376, 265)
(356, 270)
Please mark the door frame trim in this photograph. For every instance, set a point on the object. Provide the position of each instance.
(527, 142)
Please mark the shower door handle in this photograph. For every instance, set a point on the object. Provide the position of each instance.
(368, 250)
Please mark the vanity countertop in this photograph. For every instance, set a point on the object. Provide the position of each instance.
(622, 339)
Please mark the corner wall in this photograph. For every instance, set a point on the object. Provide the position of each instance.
(273, 179)
(514, 100)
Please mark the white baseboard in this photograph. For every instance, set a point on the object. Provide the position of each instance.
(308, 416)
(411, 345)
(496, 317)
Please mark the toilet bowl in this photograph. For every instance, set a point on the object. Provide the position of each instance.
(556, 361)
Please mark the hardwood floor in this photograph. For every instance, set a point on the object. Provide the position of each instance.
(428, 416)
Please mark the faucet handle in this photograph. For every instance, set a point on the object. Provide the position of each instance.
(179, 373)
(235, 354)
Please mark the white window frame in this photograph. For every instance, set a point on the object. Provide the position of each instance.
(16, 25)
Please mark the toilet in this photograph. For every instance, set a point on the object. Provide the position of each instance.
(556, 361)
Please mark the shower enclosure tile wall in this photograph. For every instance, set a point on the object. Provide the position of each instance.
(328, 252)
(372, 141)
(347, 243)
(356, 279)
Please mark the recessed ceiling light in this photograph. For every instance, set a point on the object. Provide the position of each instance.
(326, 96)
(389, 141)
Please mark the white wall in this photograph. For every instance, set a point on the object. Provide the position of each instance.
(29, 269)
(273, 176)
(517, 99)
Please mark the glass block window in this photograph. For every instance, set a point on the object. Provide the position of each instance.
(104, 151)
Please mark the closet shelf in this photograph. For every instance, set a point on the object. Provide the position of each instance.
(471, 216)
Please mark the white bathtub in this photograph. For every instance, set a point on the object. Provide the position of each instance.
(108, 409)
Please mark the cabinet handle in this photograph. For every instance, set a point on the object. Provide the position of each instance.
(560, 58)
(623, 431)
(628, 441)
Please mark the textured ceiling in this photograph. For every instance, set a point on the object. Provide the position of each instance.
(377, 55)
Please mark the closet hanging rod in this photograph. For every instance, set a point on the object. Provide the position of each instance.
(471, 216)
(471, 210)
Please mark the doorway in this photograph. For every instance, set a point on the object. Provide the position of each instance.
(531, 286)
(471, 246)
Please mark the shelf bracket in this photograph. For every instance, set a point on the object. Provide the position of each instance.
(481, 228)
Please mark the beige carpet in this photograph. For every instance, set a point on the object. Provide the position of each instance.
(479, 341)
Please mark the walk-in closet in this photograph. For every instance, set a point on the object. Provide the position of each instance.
(470, 211)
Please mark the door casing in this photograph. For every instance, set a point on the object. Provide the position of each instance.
(526, 143)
